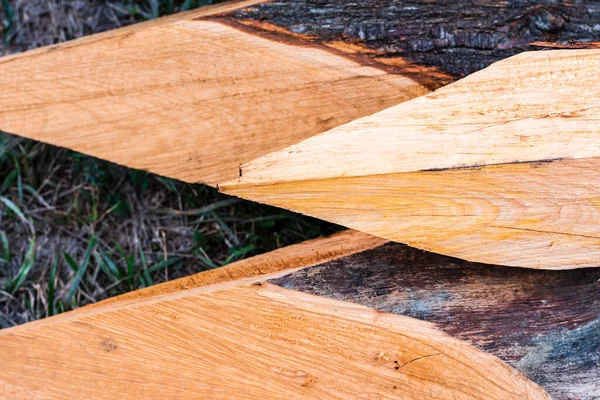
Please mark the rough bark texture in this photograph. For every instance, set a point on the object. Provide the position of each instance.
(460, 37)
(544, 323)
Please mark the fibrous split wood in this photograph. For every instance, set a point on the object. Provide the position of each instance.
(195, 96)
(499, 167)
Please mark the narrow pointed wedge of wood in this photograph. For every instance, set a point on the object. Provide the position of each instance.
(501, 167)
(301, 255)
(193, 96)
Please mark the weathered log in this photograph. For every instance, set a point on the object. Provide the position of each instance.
(546, 324)
(500, 167)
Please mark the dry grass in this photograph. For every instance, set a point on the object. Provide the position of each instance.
(75, 230)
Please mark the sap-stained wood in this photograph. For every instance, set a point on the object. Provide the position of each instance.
(257, 341)
(546, 324)
(500, 167)
(459, 37)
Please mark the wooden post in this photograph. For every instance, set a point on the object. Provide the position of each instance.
(500, 167)
(251, 339)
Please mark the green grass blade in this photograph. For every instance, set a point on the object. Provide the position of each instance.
(15, 283)
(16, 210)
(82, 269)
(108, 266)
(148, 278)
(168, 183)
(223, 226)
(187, 5)
(8, 181)
(5, 256)
(19, 179)
(51, 287)
(239, 253)
(201, 254)
(202, 210)
(71, 262)
(130, 261)
(164, 264)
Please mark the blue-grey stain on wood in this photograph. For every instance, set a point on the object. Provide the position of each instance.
(544, 323)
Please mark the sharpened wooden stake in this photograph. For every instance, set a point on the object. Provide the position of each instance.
(526, 318)
(248, 340)
(501, 167)
(193, 96)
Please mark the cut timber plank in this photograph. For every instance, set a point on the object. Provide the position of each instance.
(257, 341)
(536, 215)
(546, 324)
(429, 177)
(531, 107)
(194, 96)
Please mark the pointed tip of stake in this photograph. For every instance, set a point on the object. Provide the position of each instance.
(402, 174)
(529, 107)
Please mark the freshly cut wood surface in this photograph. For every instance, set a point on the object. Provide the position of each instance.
(535, 215)
(256, 341)
(192, 97)
(530, 107)
(424, 172)
(195, 95)
(546, 324)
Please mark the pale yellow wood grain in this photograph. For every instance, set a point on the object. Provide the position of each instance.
(252, 342)
(188, 97)
(536, 215)
(403, 174)
(533, 106)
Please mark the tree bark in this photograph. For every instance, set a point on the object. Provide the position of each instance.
(459, 37)
(544, 323)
